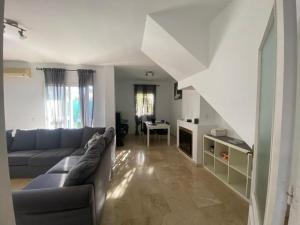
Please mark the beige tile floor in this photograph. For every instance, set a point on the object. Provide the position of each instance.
(18, 184)
(159, 186)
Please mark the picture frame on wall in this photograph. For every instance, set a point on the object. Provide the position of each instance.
(177, 93)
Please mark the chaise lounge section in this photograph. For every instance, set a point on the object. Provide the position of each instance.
(48, 200)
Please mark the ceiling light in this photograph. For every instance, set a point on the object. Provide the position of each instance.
(14, 26)
(21, 33)
(149, 73)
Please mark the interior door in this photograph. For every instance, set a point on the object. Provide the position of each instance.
(264, 125)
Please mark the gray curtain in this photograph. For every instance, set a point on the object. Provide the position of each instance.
(86, 96)
(55, 97)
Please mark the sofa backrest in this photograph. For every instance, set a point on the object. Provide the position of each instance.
(24, 140)
(43, 139)
(47, 139)
(71, 138)
(9, 139)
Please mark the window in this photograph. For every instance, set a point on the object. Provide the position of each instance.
(144, 104)
(73, 118)
(145, 100)
(69, 101)
(86, 96)
(68, 112)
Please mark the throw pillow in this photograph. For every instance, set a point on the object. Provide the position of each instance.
(87, 164)
(92, 141)
(109, 135)
(88, 132)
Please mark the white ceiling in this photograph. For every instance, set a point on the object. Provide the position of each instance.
(86, 32)
(137, 72)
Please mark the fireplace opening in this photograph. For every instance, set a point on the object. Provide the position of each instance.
(186, 141)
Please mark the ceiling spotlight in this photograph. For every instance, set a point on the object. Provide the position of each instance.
(21, 33)
(149, 73)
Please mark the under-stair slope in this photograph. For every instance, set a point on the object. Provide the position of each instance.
(230, 82)
(223, 65)
(189, 26)
(169, 54)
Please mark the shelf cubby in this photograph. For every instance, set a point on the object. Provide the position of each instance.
(209, 163)
(238, 161)
(238, 181)
(209, 153)
(234, 172)
(221, 171)
(208, 144)
(219, 150)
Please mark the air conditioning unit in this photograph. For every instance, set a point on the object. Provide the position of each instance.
(17, 72)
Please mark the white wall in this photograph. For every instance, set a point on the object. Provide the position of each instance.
(104, 106)
(24, 97)
(209, 116)
(6, 206)
(190, 104)
(125, 100)
(195, 106)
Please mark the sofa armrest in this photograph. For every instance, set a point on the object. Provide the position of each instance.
(52, 199)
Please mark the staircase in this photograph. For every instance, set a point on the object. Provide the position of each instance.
(213, 47)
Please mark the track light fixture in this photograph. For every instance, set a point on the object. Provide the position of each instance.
(21, 31)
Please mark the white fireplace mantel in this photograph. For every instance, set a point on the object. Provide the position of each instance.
(198, 131)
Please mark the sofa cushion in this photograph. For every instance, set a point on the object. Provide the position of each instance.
(65, 165)
(24, 140)
(9, 139)
(88, 132)
(109, 135)
(47, 181)
(71, 138)
(86, 165)
(21, 158)
(47, 139)
(50, 157)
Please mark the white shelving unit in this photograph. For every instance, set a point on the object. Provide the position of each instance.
(234, 172)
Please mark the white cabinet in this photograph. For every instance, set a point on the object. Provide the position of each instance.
(235, 169)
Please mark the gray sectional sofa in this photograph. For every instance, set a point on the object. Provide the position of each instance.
(33, 152)
(47, 200)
